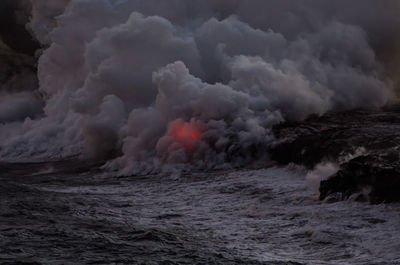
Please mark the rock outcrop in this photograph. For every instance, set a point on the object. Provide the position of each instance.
(366, 145)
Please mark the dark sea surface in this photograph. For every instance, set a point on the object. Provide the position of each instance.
(72, 212)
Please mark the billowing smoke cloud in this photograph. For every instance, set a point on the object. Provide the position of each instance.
(155, 83)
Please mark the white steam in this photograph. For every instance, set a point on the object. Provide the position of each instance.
(321, 172)
(119, 76)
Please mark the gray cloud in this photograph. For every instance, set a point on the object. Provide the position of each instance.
(157, 83)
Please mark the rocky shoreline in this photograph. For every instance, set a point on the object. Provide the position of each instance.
(364, 143)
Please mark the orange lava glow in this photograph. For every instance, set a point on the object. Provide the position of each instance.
(186, 134)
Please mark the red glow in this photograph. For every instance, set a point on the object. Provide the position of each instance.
(186, 134)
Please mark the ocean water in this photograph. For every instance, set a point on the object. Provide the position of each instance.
(264, 216)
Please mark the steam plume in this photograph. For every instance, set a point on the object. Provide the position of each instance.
(118, 76)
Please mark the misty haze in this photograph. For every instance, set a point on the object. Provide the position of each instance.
(200, 132)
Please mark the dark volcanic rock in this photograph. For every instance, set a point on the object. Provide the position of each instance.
(17, 71)
(20, 98)
(364, 143)
(17, 47)
(376, 173)
(14, 15)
